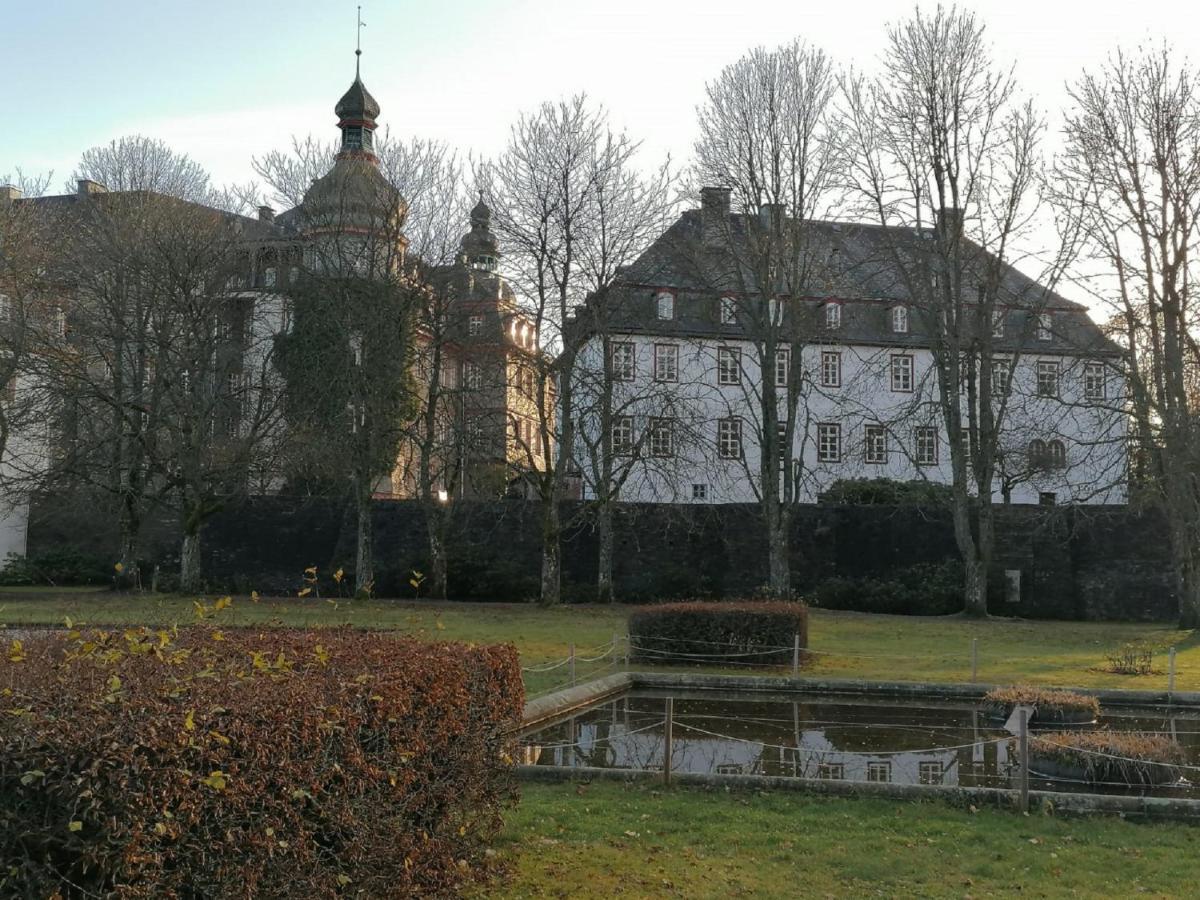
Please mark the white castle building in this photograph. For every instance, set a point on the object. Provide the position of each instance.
(685, 414)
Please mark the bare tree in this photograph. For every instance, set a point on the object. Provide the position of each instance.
(940, 146)
(566, 204)
(1132, 171)
(766, 137)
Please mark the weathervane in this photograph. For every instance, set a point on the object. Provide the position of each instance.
(358, 42)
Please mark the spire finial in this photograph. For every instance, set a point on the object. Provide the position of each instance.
(358, 43)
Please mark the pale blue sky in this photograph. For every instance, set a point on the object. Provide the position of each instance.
(223, 81)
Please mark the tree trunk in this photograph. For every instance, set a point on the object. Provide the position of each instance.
(604, 572)
(1189, 596)
(974, 588)
(364, 574)
(129, 524)
(551, 557)
(778, 556)
(437, 551)
(189, 562)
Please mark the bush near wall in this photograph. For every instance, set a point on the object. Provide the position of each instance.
(732, 633)
(66, 565)
(928, 589)
(202, 764)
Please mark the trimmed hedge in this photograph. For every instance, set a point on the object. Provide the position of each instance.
(925, 589)
(703, 633)
(272, 763)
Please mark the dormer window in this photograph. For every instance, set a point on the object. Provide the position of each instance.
(664, 302)
(475, 325)
(269, 277)
(1043, 327)
(833, 315)
(998, 323)
(900, 319)
(728, 310)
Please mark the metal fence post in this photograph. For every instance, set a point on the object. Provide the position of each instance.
(795, 655)
(1023, 750)
(667, 740)
(572, 665)
(1171, 674)
(974, 660)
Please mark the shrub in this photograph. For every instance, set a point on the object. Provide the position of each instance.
(925, 589)
(1050, 705)
(1128, 757)
(1131, 659)
(65, 565)
(886, 492)
(728, 633)
(274, 763)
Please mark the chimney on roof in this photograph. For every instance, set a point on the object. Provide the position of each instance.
(85, 187)
(949, 222)
(9, 193)
(714, 213)
(770, 215)
(266, 214)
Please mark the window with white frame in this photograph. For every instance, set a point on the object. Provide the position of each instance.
(833, 315)
(1044, 327)
(623, 360)
(729, 438)
(902, 373)
(729, 365)
(666, 362)
(879, 772)
(926, 450)
(664, 302)
(829, 771)
(472, 376)
(662, 437)
(875, 445)
(1093, 381)
(728, 310)
(1000, 373)
(475, 325)
(783, 366)
(293, 274)
(831, 368)
(356, 347)
(829, 442)
(269, 277)
(622, 435)
(1047, 378)
(774, 311)
(997, 323)
(1056, 454)
(699, 491)
(930, 772)
(900, 319)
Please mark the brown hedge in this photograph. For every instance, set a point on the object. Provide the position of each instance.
(270, 763)
(731, 633)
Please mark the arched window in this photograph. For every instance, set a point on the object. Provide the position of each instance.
(1037, 453)
(665, 303)
(1056, 455)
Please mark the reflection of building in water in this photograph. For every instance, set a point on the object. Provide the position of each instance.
(617, 745)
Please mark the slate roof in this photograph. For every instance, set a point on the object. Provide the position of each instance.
(855, 266)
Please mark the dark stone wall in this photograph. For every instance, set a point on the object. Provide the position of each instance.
(1075, 562)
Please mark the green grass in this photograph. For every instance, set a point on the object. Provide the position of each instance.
(845, 645)
(616, 840)
(606, 839)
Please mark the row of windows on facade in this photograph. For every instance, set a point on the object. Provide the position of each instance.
(474, 378)
(730, 369)
(660, 442)
(665, 309)
(522, 333)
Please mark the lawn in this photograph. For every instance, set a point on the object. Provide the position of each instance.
(843, 645)
(635, 841)
(606, 840)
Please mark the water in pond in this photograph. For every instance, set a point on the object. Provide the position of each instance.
(851, 739)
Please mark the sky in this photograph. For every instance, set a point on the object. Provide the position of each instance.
(226, 81)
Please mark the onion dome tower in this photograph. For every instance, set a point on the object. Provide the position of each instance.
(479, 247)
(354, 196)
